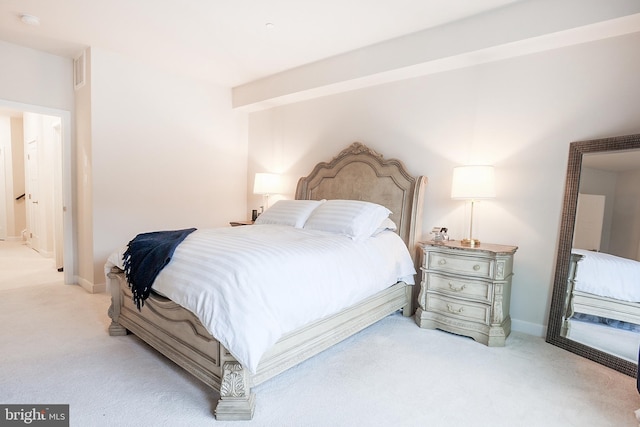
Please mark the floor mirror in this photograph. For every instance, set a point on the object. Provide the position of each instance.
(595, 306)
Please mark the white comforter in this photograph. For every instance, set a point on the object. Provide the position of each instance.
(250, 285)
(608, 276)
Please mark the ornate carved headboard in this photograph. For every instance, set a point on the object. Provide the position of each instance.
(359, 173)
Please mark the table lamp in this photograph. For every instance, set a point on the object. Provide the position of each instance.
(266, 184)
(473, 183)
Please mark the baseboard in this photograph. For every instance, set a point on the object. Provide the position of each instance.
(46, 254)
(528, 328)
(14, 239)
(90, 287)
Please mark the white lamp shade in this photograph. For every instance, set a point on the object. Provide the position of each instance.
(267, 183)
(473, 183)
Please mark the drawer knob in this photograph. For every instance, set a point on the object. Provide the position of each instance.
(456, 289)
(442, 262)
(476, 267)
(452, 310)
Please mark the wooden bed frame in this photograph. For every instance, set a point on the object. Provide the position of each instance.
(596, 305)
(357, 173)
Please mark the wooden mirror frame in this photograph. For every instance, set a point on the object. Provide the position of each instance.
(558, 300)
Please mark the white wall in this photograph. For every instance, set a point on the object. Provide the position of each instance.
(599, 182)
(166, 153)
(17, 165)
(625, 237)
(32, 77)
(6, 178)
(84, 183)
(518, 114)
(12, 211)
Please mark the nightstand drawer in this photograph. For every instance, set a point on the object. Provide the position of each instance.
(464, 310)
(459, 288)
(465, 265)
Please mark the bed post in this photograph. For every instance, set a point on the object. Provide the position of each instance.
(567, 311)
(113, 284)
(237, 402)
(411, 239)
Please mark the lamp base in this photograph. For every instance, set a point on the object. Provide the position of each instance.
(470, 242)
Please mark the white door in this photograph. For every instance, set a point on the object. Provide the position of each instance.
(589, 218)
(32, 189)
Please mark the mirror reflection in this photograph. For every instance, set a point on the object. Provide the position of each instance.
(602, 307)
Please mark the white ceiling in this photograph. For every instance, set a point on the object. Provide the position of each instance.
(226, 42)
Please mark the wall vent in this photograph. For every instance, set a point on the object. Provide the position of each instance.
(79, 71)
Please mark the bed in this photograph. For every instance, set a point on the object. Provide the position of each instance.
(357, 173)
(603, 300)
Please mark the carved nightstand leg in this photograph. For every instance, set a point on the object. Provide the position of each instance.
(237, 402)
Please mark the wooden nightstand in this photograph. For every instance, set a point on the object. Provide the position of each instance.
(239, 223)
(466, 290)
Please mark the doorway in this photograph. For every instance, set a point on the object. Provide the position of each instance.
(47, 200)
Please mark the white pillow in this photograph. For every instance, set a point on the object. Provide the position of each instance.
(288, 212)
(387, 224)
(353, 218)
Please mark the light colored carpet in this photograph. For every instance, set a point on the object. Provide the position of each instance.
(21, 266)
(54, 348)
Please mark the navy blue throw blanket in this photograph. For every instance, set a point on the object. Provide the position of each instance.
(146, 255)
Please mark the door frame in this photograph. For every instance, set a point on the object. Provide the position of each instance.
(3, 198)
(67, 177)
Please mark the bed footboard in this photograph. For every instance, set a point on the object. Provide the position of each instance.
(178, 334)
(169, 328)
